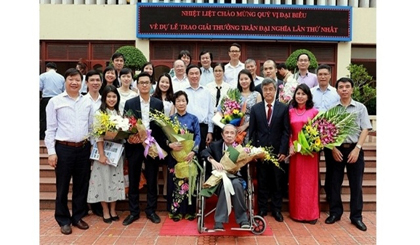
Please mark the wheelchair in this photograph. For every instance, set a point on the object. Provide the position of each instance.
(257, 223)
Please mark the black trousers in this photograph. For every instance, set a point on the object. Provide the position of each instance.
(43, 117)
(328, 174)
(73, 162)
(135, 157)
(355, 176)
(269, 179)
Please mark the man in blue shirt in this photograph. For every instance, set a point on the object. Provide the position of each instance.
(50, 84)
(324, 95)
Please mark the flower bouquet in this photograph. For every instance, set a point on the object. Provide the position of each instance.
(287, 90)
(141, 135)
(237, 156)
(327, 129)
(115, 127)
(230, 109)
(175, 132)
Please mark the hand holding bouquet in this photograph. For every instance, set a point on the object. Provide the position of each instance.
(231, 108)
(115, 127)
(326, 129)
(175, 132)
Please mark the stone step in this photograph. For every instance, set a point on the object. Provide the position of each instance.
(47, 201)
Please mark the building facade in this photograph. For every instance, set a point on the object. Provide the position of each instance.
(94, 29)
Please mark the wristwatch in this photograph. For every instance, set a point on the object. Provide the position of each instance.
(359, 146)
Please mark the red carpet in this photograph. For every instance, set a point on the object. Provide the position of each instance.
(189, 228)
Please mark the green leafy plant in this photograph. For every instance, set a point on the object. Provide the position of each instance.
(364, 90)
(292, 60)
(134, 58)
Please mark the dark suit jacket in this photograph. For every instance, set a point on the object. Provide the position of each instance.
(133, 104)
(277, 134)
(259, 89)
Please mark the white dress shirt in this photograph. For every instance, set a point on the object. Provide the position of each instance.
(68, 120)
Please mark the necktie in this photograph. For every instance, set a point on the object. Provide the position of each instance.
(269, 113)
(218, 95)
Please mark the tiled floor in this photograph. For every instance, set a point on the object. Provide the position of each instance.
(143, 231)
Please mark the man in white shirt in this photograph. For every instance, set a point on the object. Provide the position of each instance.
(234, 66)
(200, 105)
(94, 83)
(69, 116)
(180, 80)
(251, 66)
(207, 76)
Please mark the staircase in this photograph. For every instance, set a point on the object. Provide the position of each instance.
(47, 183)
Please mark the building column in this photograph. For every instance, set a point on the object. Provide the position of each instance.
(321, 2)
(364, 3)
(343, 59)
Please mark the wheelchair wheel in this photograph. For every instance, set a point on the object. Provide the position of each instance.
(199, 224)
(258, 225)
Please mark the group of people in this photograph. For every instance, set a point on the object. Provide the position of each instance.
(192, 96)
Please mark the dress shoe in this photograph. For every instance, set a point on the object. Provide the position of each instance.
(115, 218)
(278, 216)
(332, 219)
(154, 218)
(359, 224)
(107, 220)
(175, 217)
(66, 229)
(313, 222)
(190, 217)
(81, 225)
(262, 213)
(130, 219)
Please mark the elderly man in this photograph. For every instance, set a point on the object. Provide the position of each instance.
(180, 80)
(213, 154)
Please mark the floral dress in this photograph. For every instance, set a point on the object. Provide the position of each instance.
(106, 182)
(178, 189)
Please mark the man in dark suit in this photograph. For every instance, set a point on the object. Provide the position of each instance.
(141, 106)
(269, 126)
(213, 154)
(270, 70)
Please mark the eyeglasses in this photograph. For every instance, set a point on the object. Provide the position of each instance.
(234, 51)
(303, 60)
(144, 83)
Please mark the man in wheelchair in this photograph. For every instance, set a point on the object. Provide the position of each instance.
(213, 153)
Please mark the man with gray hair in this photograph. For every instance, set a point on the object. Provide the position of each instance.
(214, 153)
(251, 66)
(269, 126)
